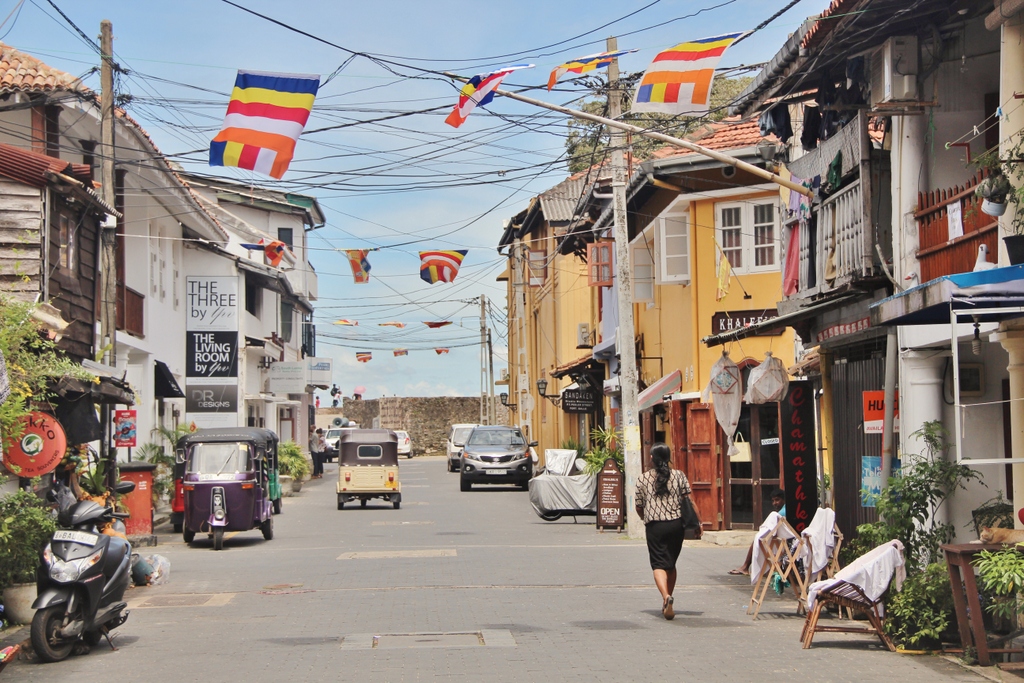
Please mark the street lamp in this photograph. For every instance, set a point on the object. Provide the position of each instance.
(504, 401)
(542, 387)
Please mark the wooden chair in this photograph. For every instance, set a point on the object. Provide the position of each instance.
(850, 597)
(830, 569)
(781, 558)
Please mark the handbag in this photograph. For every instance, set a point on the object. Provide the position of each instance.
(691, 520)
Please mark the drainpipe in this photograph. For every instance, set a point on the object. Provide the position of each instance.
(892, 356)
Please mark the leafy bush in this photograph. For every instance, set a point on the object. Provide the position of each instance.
(917, 616)
(26, 525)
(571, 444)
(605, 446)
(1002, 577)
(291, 461)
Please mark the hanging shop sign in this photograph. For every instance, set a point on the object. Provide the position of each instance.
(124, 428)
(799, 464)
(212, 348)
(610, 498)
(874, 412)
(843, 329)
(39, 450)
(211, 398)
(580, 400)
(727, 321)
(211, 354)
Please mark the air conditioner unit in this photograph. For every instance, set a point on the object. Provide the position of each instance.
(583, 336)
(503, 374)
(894, 68)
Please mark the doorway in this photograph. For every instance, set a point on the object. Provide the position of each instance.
(755, 471)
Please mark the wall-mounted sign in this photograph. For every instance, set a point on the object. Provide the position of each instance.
(211, 303)
(727, 321)
(288, 377)
(580, 400)
(320, 371)
(211, 342)
(610, 498)
(874, 412)
(124, 428)
(211, 354)
(843, 329)
(799, 463)
(871, 479)
(211, 398)
(39, 450)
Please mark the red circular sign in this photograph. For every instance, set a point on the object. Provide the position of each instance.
(40, 448)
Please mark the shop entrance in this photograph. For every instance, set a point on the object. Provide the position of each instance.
(754, 472)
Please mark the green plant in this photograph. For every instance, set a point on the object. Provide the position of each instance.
(291, 461)
(1002, 577)
(994, 512)
(161, 454)
(997, 187)
(93, 479)
(572, 444)
(605, 445)
(908, 507)
(26, 525)
(918, 615)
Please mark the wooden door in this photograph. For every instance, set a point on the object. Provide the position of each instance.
(704, 463)
(647, 436)
(677, 426)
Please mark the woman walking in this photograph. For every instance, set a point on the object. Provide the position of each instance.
(660, 496)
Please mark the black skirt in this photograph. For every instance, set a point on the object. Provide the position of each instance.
(664, 541)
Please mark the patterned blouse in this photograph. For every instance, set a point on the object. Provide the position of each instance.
(661, 508)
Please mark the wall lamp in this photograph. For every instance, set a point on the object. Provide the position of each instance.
(504, 401)
(542, 388)
(264, 362)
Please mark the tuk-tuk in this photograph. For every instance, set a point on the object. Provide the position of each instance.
(229, 482)
(368, 466)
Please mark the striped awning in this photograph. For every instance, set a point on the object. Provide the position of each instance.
(652, 395)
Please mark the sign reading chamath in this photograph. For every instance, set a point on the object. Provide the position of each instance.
(799, 461)
(211, 351)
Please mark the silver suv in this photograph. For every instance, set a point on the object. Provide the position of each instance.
(496, 455)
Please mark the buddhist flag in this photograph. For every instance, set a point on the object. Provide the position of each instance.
(344, 321)
(363, 356)
(584, 64)
(678, 81)
(401, 352)
(440, 351)
(440, 323)
(272, 250)
(265, 117)
(400, 326)
(479, 92)
(724, 275)
(440, 266)
(360, 266)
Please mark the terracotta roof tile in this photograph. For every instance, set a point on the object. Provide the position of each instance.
(21, 71)
(727, 134)
(31, 168)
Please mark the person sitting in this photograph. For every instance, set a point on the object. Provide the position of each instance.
(778, 497)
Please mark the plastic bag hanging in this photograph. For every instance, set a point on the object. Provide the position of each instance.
(726, 386)
(768, 382)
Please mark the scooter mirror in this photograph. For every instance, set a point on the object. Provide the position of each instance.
(179, 456)
(124, 487)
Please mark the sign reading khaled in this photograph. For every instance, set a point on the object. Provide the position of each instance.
(727, 321)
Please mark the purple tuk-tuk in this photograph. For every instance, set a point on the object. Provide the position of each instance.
(229, 482)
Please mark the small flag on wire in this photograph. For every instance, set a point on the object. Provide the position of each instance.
(440, 351)
(440, 266)
(584, 64)
(360, 266)
(400, 326)
(273, 250)
(678, 81)
(363, 356)
(724, 275)
(344, 321)
(479, 92)
(265, 118)
(401, 352)
(440, 323)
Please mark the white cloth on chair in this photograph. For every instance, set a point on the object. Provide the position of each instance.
(872, 572)
(767, 529)
(821, 542)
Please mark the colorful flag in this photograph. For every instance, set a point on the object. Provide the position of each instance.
(400, 326)
(344, 321)
(724, 275)
(360, 266)
(479, 92)
(440, 266)
(363, 356)
(266, 115)
(439, 323)
(678, 81)
(440, 351)
(584, 64)
(401, 352)
(273, 250)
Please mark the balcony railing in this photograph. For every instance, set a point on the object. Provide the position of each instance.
(942, 253)
(131, 307)
(835, 252)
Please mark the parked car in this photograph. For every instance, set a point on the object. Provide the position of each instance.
(495, 454)
(456, 440)
(331, 439)
(404, 443)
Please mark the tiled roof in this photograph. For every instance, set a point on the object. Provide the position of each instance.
(31, 168)
(837, 8)
(559, 203)
(20, 71)
(728, 134)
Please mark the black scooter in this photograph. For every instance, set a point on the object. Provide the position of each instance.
(81, 578)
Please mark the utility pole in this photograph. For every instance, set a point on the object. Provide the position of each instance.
(627, 351)
(108, 256)
(492, 416)
(484, 411)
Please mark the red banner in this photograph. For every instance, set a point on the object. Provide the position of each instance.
(799, 460)
(39, 450)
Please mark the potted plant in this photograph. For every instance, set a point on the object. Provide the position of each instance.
(997, 192)
(292, 463)
(26, 526)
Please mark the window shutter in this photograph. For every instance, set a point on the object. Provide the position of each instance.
(674, 249)
(599, 262)
(643, 271)
(538, 267)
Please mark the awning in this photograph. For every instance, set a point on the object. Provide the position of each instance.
(930, 302)
(652, 395)
(604, 350)
(165, 386)
(583, 364)
(779, 322)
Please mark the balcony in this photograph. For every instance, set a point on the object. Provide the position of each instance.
(131, 307)
(942, 252)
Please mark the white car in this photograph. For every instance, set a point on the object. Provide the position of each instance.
(404, 443)
(457, 436)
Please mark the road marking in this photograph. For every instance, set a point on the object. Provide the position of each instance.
(396, 554)
(401, 523)
(416, 486)
(184, 600)
(458, 639)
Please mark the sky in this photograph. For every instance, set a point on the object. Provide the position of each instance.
(404, 184)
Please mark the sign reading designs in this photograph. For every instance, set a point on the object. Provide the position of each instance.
(211, 345)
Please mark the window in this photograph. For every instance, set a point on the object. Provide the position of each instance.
(253, 296)
(368, 452)
(287, 312)
(599, 262)
(285, 235)
(641, 255)
(748, 235)
(68, 229)
(674, 248)
(538, 267)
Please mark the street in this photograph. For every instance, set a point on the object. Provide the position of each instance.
(457, 587)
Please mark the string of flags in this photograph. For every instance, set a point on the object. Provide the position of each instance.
(584, 64)
(367, 356)
(401, 352)
(363, 356)
(432, 324)
(273, 250)
(441, 266)
(360, 266)
(479, 92)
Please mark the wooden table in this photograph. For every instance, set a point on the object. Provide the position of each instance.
(959, 558)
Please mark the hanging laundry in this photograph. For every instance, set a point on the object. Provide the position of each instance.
(360, 266)
(363, 356)
(440, 351)
(726, 386)
(401, 352)
(437, 324)
(791, 266)
(392, 324)
(344, 321)
(811, 127)
(584, 64)
(768, 382)
(441, 266)
(834, 176)
(775, 121)
(724, 276)
(265, 117)
(479, 92)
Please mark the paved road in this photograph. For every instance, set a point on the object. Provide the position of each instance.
(457, 587)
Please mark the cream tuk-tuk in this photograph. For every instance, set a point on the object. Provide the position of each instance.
(368, 467)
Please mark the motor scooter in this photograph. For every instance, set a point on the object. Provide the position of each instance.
(81, 578)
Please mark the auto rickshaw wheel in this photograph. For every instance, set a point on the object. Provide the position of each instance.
(268, 529)
(341, 504)
(218, 539)
(188, 535)
(363, 502)
(277, 506)
(397, 504)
